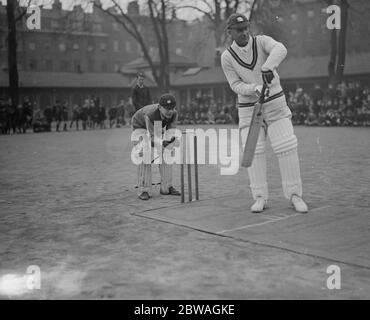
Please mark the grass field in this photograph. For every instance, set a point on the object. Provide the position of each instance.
(68, 205)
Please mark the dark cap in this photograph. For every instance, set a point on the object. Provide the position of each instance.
(237, 20)
(167, 101)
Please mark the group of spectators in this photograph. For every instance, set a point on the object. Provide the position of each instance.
(15, 118)
(91, 115)
(347, 104)
(205, 110)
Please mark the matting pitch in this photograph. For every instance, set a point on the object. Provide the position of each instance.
(336, 233)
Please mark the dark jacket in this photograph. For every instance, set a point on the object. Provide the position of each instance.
(141, 97)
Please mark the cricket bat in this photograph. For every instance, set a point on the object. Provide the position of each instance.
(254, 130)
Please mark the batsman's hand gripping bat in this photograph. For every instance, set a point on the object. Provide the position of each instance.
(254, 130)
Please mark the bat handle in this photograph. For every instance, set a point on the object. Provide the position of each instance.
(263, 92)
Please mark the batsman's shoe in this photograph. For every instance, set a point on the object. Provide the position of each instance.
(171, 191)
(259, 205)
(144, 196)
(299, 205)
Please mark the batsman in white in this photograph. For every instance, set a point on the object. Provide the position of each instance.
(144, 118)
(248, 63)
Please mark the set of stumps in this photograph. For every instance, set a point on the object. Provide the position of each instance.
(189, 141)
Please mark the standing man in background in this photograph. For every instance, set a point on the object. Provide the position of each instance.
(65, 115)
(58, 114)
(140, 93)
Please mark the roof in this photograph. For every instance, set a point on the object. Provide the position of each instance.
(316, 67)
(175, 60)
(291, 69)
(192, 71)
(205, 76)
(68, 80)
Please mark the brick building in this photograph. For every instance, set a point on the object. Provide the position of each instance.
(76, 55)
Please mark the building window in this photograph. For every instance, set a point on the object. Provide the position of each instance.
(64, 65)
(62, 47)
(32, 64)
(324, 29)
(46, 23)
(91, 65)
(97, 27)
(19, 45)
(3, 44)
(104, 67)
(117, 67)
(49, 65)
(54, 24)
(32, 46)
(90, 47)
(47, 44)
(77, 65)
(3, 22)
(115, 26)
(128, 46)
(310, 13)
(103, 46)
(76, 46)
(115, 46)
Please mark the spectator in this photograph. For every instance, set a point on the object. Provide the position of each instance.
(112, 113)
(129, 111)
(48, 115)
(76, 116)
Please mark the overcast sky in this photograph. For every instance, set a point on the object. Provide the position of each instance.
(187, 14)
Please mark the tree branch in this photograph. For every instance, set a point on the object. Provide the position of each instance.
(252, 10)
(209, 15)
(22, 12)
(134, 32)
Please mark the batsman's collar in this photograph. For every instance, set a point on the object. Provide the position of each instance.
(237, 20)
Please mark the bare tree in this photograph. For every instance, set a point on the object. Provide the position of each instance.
(344, 6)
(14, 14)
(338, 44)
(159, 12)
(263, 15)
(217, 12)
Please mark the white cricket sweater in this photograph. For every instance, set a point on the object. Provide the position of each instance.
(242, 68)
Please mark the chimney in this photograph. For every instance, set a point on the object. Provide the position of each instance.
(133, 8)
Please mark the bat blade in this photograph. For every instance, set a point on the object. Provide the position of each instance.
(254, 130)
